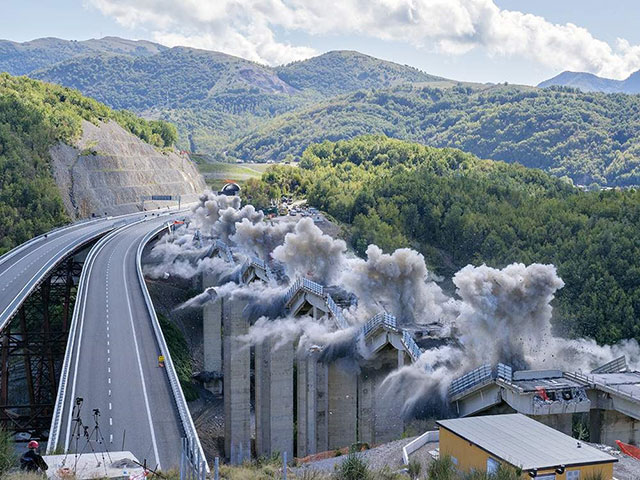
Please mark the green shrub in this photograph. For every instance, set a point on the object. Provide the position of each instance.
(7, 454)
(414, 468)
(442, 468)
(353, 468)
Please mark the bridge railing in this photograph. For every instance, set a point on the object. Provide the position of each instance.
(382, 318)
(469, 380)
(181, 403)
(410, 344)
(337, 313)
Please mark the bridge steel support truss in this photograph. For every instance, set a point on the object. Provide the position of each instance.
(32, 348)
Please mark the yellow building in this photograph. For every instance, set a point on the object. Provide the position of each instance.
(484, 443)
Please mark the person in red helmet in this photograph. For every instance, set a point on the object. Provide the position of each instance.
(31, 460)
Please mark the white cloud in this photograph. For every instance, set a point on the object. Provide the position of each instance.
(247, 28)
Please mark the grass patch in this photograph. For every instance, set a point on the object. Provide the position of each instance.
(179, 350)
(215, 173)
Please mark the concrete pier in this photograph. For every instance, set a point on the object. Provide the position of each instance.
(343, 410)
(607, 426)
(313, 404)
(274, 398)
(562, 422)
(379, 410)
(237, 420)
(212, 341)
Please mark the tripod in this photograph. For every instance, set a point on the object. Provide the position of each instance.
(99, 437)
(81, 430)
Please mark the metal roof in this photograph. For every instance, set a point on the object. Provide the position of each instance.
(524, 442)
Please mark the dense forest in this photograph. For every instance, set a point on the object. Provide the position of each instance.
(457, 209)
(590, 137)
(33, 117)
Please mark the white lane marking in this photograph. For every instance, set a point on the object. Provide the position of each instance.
(111, 438)
(135, 343)
(75, 370)
(109, 392)
(109, 369)
(108, 351)
(108, 359)
(109, 405)
(110, 421)
(107, 343)
(109, 380)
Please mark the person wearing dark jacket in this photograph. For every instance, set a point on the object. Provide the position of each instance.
(31, 460)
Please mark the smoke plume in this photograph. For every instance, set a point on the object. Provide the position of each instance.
(399, 284)
(308, 252)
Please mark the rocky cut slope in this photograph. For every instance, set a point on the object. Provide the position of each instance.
(109, 170)
(64, 156)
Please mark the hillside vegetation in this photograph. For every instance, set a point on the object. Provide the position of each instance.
(590, 137)
(232, 109)
(33, 117)
(213, 98)
(457, 209)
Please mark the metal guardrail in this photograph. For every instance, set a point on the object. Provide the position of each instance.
(410, 344)
(58, 410)
(471, 379)
(504, 372)
(591, 382)
(41, 274)
(181, 403)
(383, 318)
(259, 264)
(224, 248)
(614, 366)
(336, 312)
(317, 289)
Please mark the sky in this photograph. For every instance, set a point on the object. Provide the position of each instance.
(517, 41)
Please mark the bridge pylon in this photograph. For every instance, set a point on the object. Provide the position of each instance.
(32, 348)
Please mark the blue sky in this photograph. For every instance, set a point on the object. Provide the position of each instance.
(277, 34)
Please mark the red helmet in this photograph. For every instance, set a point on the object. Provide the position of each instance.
(33, 444)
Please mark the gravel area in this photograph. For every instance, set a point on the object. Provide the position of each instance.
(388, 454)
(627, 468)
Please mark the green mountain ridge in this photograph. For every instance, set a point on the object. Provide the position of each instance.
(213, 98)
(233, 109)
(590, 137)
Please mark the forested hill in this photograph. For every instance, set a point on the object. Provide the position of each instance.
(588, 82)
(457, 209)
(235, 109)
(34, 116)
(590, 137)
(24, 58)
(212, 97)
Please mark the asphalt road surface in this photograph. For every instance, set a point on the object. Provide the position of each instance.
(114, 365)
(18, 271)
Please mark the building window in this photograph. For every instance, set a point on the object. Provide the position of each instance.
(492, 466)
(573, 475)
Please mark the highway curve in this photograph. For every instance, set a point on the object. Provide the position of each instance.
(24, 267)
(114, 361)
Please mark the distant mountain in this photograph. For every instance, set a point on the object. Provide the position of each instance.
(24, 58)
(588, 82)
(343, 71)
(212, 97)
